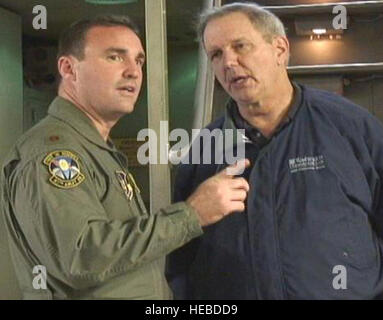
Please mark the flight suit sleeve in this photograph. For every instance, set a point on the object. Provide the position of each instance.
(70, 232)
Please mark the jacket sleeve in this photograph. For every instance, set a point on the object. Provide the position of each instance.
(70, 232)
(367, 141)
(372, 135)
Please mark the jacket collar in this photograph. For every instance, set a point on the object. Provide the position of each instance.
(67, 112)
(231, 123)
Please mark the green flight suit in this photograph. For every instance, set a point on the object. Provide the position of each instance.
(71, 206)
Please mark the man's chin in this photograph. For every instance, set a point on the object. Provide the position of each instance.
(129, 110)
(245, 100)
(248, 94)
(126, 106)
(121, 111)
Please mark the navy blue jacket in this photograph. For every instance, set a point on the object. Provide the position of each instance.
(315, 203)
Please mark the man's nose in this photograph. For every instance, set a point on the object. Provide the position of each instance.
(230, 59)
(132, 69)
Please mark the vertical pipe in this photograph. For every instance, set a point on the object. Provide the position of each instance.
(158, 107)
(11, 126)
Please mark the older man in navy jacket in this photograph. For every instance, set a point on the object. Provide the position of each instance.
(312, 227)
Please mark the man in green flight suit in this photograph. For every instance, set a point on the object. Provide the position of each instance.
(71, 207)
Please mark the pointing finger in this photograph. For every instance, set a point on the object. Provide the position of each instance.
(237, 168)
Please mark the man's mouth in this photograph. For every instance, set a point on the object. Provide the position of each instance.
(127, 88)
(237, 80)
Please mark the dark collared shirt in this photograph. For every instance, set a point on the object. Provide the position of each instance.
(253, 133)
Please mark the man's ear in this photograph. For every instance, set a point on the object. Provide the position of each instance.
(282, 47)
(67, 67)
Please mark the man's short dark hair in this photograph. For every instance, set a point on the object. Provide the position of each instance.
(72, 39)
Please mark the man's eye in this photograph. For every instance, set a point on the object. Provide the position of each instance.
(240, 45)
(140, 62)
(214, 55)
(115, 58)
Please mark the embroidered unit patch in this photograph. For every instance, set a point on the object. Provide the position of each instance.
(64, 168)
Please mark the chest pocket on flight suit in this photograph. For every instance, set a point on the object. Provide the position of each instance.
(122, 200)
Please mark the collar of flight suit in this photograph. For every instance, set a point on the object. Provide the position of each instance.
(66, 111)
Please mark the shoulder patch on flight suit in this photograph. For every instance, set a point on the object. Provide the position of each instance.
(64, 168)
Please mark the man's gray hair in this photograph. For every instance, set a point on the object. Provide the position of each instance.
(264, 21)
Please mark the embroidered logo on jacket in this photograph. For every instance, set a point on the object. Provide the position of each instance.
(64, 168)
(307, 163)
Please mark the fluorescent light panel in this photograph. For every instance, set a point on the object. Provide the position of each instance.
(319, 31)
(110, 1)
